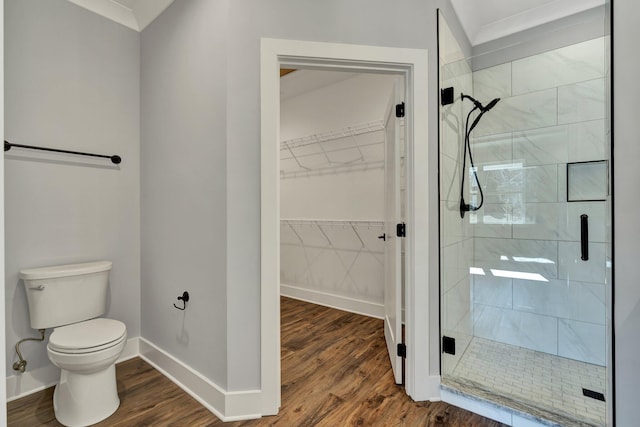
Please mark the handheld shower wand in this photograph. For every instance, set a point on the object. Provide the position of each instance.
(478, 105)
(464, 207)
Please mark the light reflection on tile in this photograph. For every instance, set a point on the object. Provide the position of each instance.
(488, 253)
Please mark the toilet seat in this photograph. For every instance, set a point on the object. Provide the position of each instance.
(87, 337)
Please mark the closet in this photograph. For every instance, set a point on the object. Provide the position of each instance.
(332, 188)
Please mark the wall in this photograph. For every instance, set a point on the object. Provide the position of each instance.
(356, 22)
(414, 24)
(218, 223)
(3, 391)
(551, 113)
(323, 193)
(184, 180)
(339, 199)
(626, 152)
(72, 82)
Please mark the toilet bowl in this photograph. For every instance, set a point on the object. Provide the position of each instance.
(86, 353)
(71, 299)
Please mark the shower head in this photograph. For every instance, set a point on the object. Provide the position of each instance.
(478, 105)
(491, 105)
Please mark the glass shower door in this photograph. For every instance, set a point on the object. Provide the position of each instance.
(525, 279)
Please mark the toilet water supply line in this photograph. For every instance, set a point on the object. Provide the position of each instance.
(21, 364)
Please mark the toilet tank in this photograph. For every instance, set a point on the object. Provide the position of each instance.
(63, 294)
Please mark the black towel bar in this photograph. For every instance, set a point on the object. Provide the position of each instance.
(114, 159)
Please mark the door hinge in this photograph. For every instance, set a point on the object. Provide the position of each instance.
(402, 350)
(446, 96)
(400, 110)
(448, 345)
(401, 230)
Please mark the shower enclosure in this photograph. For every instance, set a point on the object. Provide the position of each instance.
(526, 279)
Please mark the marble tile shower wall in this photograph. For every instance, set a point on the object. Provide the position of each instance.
(552, 112)
(456, 244)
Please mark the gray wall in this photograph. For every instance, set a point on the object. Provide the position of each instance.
(626, 154)
(184, 179)
(413, 24)
(201, 226)
(72, 81)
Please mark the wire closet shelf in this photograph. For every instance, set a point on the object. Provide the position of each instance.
(353, 148)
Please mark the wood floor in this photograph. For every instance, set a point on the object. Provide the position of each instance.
(335, 372)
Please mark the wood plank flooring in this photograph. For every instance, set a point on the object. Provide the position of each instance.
(335, 372)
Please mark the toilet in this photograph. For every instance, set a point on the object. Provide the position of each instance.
(70, 299)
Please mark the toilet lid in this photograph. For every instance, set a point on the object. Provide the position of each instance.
(87, 334)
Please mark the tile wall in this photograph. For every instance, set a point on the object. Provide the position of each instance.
(536, 292)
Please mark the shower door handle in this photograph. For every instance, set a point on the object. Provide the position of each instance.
(584, 237)
(383, 236)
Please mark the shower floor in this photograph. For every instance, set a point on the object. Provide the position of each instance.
(546, 386)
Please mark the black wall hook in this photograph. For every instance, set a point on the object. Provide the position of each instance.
(184, 298)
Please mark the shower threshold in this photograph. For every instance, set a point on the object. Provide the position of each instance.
(537, 385)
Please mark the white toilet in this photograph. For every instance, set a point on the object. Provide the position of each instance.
(85, 347)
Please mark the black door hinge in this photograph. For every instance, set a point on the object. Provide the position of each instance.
(401, 230)
(400, 110)
(446, 96)
(448, 345)
(402, 350)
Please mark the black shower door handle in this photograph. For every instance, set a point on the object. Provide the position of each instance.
(584, 237)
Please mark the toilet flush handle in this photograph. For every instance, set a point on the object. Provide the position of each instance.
(184, 298)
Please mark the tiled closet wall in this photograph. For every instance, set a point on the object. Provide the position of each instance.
(551, 113)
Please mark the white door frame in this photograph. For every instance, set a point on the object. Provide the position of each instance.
(412, 64)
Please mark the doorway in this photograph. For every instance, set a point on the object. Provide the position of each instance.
(341, 169)
(412, 64)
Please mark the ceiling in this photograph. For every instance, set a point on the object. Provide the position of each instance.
(482, 21)
(135, 14)
(303, 81)
(488, 20)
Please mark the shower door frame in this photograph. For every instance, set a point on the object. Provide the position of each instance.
(412, 64)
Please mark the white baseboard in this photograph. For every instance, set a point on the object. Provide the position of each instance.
(34, 380)
(228, 406)
(31, 381)
(352, 305)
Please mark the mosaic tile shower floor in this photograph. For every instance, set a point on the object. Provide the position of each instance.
(549, 383)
